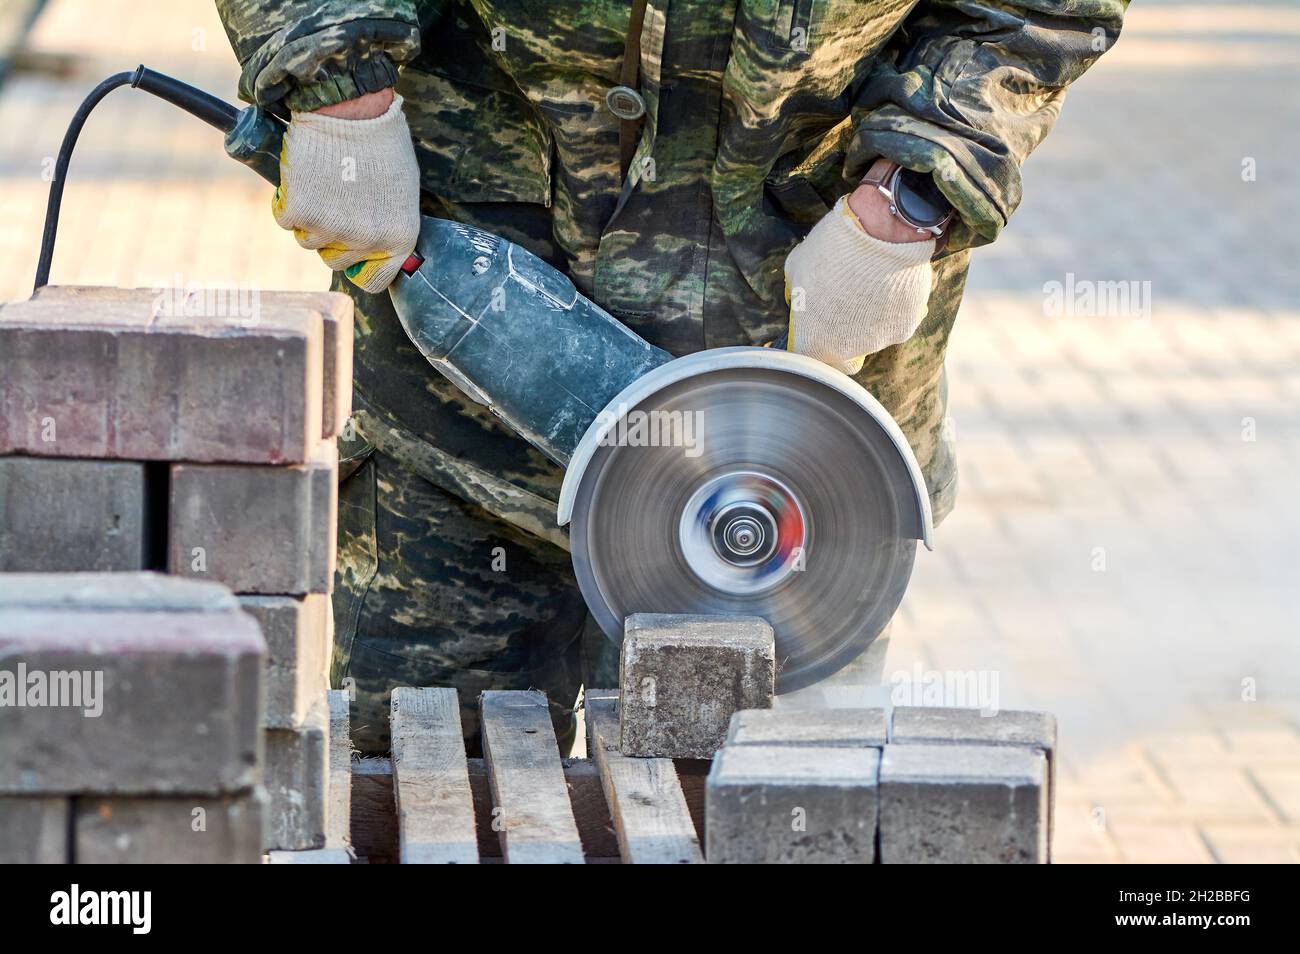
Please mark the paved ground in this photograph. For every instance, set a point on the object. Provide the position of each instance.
(1125, 546)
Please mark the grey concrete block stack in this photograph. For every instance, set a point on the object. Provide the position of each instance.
(192, 433)
(130, 721)
(852, 786)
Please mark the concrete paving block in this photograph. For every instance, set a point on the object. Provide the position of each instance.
(297, 783)
(847, 728)
(129, 701)
(173, 830)
(153, 592)
(334, 308)
(338, 818)
(927, 725)
(258, 530)
(34, 830)
(297, 635)
(315, 856)
(58, 516)
(963, 804)
(682, 677)
(163, 375)
(778, 805)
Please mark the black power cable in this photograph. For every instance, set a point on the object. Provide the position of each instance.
(210, 109)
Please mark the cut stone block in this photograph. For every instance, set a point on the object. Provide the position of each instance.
(175, 830)
(334, 308)
(129, 375)
(338, 816)
(256, 529)
(159, 702)
(34, 830)
(773, 805)
(297, 653)
(316, 856)
(297, 783)
(847, 728)
(682, 678)
(925, 725)
(58, 516)
(963, 804)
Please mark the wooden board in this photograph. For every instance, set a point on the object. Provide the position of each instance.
(531, 809)
(374, 818)
(645, 799)
(435, 807)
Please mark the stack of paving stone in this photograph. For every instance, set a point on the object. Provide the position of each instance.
(130, 721)
(186, 432)
(930, 785)
(828, 785)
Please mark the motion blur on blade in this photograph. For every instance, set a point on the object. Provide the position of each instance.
(737, 480)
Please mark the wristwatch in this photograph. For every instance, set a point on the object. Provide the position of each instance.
(913, 197)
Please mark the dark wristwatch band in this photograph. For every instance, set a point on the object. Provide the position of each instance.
(913, 198)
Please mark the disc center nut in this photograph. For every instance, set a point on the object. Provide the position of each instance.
(744, 534)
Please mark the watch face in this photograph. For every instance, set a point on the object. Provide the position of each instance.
(919, 199)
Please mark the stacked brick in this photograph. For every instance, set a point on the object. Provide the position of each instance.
(130, 721)
(845, 786)
(166, 430)
(841, 786)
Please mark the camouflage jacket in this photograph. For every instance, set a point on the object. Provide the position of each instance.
(759, 115)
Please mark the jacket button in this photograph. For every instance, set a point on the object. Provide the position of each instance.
(625, 102)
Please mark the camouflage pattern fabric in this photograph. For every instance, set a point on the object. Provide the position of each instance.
(760, 114)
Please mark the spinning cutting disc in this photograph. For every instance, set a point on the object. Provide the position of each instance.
(765, 486)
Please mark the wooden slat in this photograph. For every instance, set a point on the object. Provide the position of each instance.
(435, 808)
(531, 808)
(374, 818)
(645, 799)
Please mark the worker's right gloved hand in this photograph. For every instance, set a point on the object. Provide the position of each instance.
(350, 190)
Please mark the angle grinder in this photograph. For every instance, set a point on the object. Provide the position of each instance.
(746, 481)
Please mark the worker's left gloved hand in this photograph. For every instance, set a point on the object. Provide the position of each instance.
(851, 294)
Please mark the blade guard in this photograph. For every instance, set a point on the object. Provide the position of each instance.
(719, 359)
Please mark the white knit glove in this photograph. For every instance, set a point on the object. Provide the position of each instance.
(350, 189)
(851, 294)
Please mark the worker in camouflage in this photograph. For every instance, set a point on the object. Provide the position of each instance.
(751, 119)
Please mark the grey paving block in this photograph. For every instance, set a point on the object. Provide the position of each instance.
(297, 635)
(126, 375)
(149, 592)
(338, 817)
(851, 728)
(782, 805)
(173, 830)
(297, 783)
(963, 804)
(334, 308)
(258, 530)
(58, 516)
(34, 829)
(129, 700)
(682, 678)
(926, 725)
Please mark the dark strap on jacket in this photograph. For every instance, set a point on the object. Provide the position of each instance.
(629, 130)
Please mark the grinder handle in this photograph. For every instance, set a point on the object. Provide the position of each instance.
(255, 140)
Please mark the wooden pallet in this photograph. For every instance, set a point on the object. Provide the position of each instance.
(521, 803)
